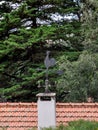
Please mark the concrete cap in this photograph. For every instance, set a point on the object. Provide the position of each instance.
(46, 95)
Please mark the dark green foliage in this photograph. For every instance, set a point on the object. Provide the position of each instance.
(26, 27)
(80, 77)
(90, 25)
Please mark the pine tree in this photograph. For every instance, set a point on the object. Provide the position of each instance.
(26, 27)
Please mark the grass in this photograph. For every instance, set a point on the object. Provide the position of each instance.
(77, 125)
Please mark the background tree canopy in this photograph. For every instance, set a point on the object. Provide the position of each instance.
(81, 76)
(30, 27)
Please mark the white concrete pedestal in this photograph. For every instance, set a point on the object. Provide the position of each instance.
(46, 110)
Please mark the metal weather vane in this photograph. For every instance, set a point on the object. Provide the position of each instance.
(49, 62)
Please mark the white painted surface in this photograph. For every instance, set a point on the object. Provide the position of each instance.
(46, 112)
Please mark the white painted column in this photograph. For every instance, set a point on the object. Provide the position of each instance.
(46, 110)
